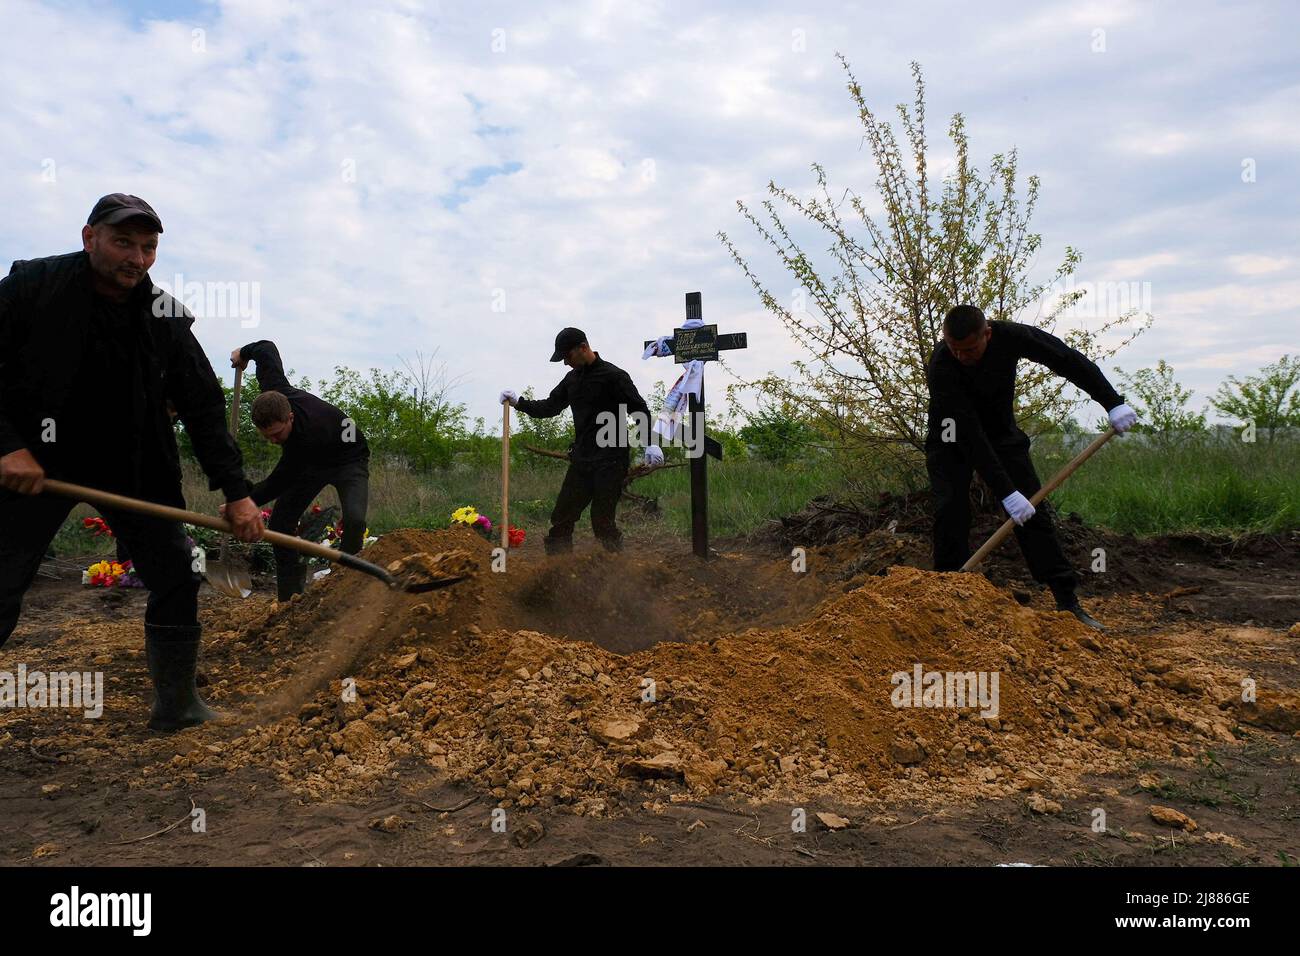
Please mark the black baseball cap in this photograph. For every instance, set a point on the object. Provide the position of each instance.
(119, 207)
(567, 340)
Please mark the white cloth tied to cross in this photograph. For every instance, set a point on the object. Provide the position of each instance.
(677, 401)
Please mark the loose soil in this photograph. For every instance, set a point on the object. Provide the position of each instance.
(643, 707)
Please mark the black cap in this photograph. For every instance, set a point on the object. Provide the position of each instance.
(565, 341)
(119, 207)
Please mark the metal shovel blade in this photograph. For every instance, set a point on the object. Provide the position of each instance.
(413, 585)
(229, 579)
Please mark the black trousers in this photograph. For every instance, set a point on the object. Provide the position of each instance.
(950, 477)
(352, 482)
(159, 552)
(596, 483)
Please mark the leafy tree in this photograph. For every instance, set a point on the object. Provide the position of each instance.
(1270, 399)
(404, 414)
(870, 317)
(1160, 402)
(555, 434)
(777, 434)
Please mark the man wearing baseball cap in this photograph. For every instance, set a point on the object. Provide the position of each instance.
(91, 354)
(594, 390)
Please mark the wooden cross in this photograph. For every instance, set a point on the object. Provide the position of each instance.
(700, 344)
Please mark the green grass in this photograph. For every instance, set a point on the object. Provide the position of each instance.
(1210, 485)
(742, 495)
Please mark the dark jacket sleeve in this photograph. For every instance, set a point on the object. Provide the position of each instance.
(1071, 364)
(631, 398)
(274, 484)
(270, 370)
(194, 390)
(950, 402)
(10, 440)
(547, 407)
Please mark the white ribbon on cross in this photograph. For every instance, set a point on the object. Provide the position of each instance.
(677, 401)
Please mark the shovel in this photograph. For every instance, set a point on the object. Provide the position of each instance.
(1057, 480)
(412, 583)
(505, 475)
(229, 576)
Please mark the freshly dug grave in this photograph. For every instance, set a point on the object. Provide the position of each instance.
(800, 705)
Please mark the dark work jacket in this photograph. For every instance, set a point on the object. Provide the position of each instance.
(588, 391)
(319, 438)
(980, 398)
(47, 307)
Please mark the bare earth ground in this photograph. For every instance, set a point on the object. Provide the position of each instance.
(96, 792)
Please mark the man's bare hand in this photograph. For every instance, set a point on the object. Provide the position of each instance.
(235, 361)
(21, 472)
(245, 519)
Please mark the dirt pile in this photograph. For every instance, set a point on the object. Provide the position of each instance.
(1243, 578)
(837, 702)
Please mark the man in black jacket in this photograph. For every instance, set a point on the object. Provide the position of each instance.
(320, 446)
(91, 352)
(972, 425)
(601, 395)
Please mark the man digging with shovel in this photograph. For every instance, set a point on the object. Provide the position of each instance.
(972, 426)
(320, 446)
(599, 393)
(80, 330)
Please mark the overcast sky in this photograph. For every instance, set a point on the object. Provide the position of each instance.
(404, 177)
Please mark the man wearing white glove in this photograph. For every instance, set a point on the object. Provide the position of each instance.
(593, 390)
(1018, 507)
(972, 428)
(1122, 418)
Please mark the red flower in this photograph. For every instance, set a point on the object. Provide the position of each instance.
(515, 536)
(97, 526)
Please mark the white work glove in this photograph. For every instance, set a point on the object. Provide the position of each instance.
(509, 396)
(1122, 418)
(654, 455)
(1018, 507)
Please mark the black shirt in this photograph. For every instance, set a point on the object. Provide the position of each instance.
(89, 446)
(104, 371)
(589, 391)
(321, 436)
(980, 398)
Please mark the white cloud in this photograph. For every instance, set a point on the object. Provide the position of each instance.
(1256, 265)
(525, 170)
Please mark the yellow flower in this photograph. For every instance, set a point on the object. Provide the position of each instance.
(465, 515)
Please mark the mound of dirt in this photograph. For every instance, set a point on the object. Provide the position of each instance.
(771, 697)
(1216, 576)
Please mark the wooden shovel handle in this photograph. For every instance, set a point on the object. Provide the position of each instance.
(1057, 480)
(505, 475)
(108, 499)
(234, 404)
